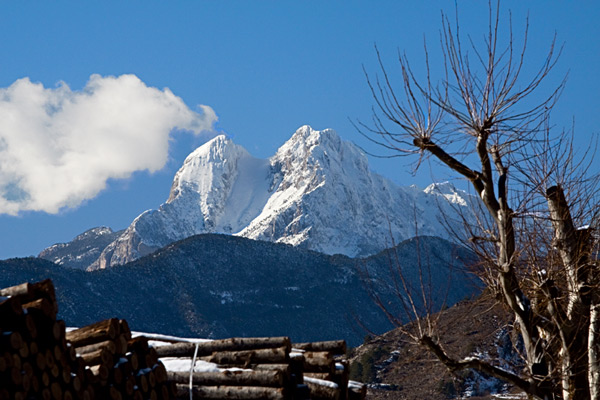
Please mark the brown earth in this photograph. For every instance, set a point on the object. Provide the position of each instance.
(396, 368)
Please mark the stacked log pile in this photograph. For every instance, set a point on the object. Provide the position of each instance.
(263, 368)
(35, 359)
(39, 359)
(117, 366)
(326, 370)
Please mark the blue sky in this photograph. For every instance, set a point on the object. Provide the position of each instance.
(264, 67)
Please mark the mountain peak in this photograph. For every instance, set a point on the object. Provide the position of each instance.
(316, 192)
(310, 152)
(309, 137)
(449, 191)
(214, 158)
(212, 150)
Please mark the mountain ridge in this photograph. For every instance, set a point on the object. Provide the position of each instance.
(215, 285)
(316, 192)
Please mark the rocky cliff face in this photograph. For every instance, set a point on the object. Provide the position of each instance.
(316, 192)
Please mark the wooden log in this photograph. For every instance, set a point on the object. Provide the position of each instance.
(100, 356)
(97, 373)
(325, 376)
(44, 305)
(150, 358)
(114, 393)
(28, 327)
(88, 393)
(121, 345)
(5, 361)
(137, 395)
(322, 390)
(65, 375)
(55, 371)
(116, 376)
(160, 372)
(44, 326)
(94, 333)
(46, 394)
(62, 355)
(11, 341)
(56, 390)
(35, 385)
(301, 392)
(357, 391)
(11, 321)
(78, 368)
(283, 368)
(11, 378)
(230, 378)
(108, 345)
(133, 360)
(246, 357)
(164, 393)
(70, 354)
(45, 379)
(319, 361)
(172, 389)
(232, 344)
(30, 291)
(10, 308)
(231, 392)
(335, 347)
(124, 329)
(16, 360)
(127, 386)
(24, 350)
(142, 382)
(59, 329)
(341, 376)
(18, 395)
(50, 360)
(151, 377)
(125, 366)
(27, 292)
(76, 383)
(297, 367)
(138, 344)
(33, 349)
(27, 369)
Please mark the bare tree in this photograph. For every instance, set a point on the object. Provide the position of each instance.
(537, 222)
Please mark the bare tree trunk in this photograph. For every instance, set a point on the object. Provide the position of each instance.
(574, 250)
(594, 362)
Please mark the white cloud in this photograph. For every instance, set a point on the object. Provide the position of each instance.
(58, 147)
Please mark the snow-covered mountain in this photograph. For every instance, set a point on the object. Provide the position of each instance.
(316, 192)
(83, 250)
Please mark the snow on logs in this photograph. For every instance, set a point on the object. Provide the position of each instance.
(260, 368)
(40, 359)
